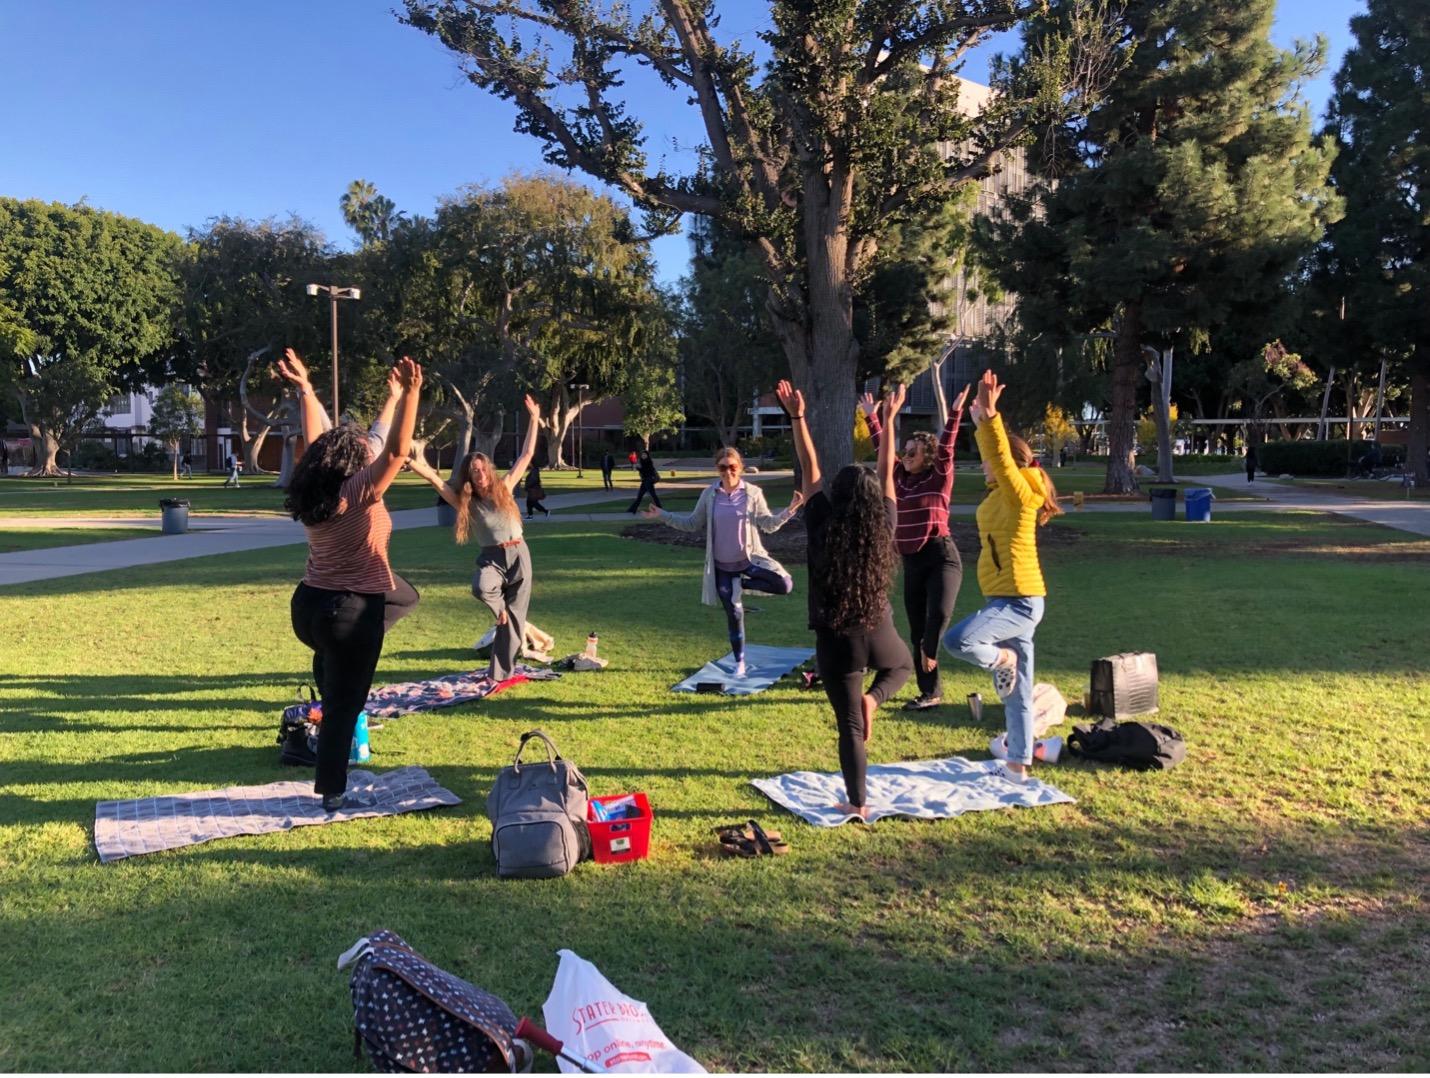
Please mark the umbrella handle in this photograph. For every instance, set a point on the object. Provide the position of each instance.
(528, 1030)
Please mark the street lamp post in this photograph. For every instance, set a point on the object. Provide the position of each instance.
(580, 427)
(335, 293)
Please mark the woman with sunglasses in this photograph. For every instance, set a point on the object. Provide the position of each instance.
(850, 526)
(933, 571)
(733, 513)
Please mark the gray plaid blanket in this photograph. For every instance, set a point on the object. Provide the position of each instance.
(148, 824)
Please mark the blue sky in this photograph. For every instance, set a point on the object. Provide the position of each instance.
(175, 112)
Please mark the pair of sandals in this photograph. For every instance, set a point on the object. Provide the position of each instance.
(749, 839)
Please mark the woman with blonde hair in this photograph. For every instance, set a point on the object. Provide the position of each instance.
(999, 637)
(733, 513)
(487, 512)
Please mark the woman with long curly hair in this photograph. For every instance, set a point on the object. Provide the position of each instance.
(999, 638)
(733, 513)
(487, 512)
(851, 567)
(933, 570)
(336, 491)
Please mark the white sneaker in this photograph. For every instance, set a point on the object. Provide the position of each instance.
(1003, 771)
(1048, 749)
(740, 670)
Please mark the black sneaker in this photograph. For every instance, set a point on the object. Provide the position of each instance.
(923, 703)
(332, 802)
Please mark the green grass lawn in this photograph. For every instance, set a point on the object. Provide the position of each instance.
(1359, 488)
(1261, 907)
(39, 538)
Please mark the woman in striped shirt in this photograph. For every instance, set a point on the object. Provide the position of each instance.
(487, 512)
(933, 571)
(337, 609)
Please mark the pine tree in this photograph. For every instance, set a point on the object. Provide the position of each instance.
(1382, 247)
(1182, 202)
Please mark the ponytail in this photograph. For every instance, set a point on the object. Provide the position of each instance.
(1024, 457)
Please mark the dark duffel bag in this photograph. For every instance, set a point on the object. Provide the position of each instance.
(1124, 685)
(1143, 746)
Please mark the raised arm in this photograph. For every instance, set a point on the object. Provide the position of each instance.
(993, 444)
(293, 371)
(792, 400)
(377, 433)
(893, 401)
(871, 418)
(943, 457)
(528, 448)
(420, 466)
(398, 448)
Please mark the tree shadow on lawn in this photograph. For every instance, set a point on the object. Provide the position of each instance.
(974, 945)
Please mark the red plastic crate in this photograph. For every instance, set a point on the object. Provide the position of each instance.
(613, 841)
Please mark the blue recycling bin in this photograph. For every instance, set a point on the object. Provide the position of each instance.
(1199, 503)
(1164, 503)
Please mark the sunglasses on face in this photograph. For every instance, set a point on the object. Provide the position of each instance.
(728, 467)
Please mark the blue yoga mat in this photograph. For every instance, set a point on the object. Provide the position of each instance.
(764, 666)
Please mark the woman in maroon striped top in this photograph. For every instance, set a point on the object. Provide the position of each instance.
(933, 571)
(337, 610)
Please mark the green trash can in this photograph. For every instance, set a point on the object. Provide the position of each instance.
(176, 516)
(1164, 503)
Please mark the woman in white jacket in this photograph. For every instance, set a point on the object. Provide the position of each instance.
(733, 514)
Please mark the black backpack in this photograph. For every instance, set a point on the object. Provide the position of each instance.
(297, 736)
(415, 1017)
(1143, 746)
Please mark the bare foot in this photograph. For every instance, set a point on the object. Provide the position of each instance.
(870, 706)
(862, 811)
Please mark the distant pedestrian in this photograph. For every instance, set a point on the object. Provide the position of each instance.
(649, 475)
(608, 466)
(233, 470)
(1250, 462)
(4, 459)
(534, 493)
(632, 459)
(186, 466)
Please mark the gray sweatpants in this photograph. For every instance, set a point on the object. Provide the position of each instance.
(503, 582)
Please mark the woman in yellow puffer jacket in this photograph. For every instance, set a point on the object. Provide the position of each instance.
(999, 637)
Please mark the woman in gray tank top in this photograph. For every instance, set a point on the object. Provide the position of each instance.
(487, 512)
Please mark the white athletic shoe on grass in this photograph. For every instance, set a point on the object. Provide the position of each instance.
(1003, 771)
(1046, 750)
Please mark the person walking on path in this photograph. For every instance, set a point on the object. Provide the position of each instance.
(649, 476)
(186, 466)
(534, 493)
(337, 610)
(851, 568)
(233, 470)
(999, 637)
(608, 466)
(487, 511)
(1250, 463)
(733, 514)
(933, 570)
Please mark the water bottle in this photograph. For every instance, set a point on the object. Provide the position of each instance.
(361, 750)
(591, 640)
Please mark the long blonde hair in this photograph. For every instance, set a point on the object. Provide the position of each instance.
(498, 494)
(1024, 457)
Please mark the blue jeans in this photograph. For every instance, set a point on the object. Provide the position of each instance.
(1006, 623)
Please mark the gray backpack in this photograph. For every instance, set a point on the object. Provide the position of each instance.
(538, 814)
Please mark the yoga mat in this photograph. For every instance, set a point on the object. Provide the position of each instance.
(925, 789)
(390, 701)
(149, 824)
(764, 665)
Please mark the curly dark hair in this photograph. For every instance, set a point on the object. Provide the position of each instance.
(318, 478)
(857, 563)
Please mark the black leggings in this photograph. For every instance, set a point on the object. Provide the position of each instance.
(932, 578)
(751, 578)
(843, 660)
(647, 487)
(400, 601)
(344, 629)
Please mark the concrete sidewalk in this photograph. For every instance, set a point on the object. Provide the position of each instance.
(1406, 516)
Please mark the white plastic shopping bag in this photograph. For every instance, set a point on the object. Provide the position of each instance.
(607, 1028)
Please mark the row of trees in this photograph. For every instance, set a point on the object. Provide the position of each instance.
(1185, 204)
(537, 285)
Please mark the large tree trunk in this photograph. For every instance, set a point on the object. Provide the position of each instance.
(1419, 441)
(286, 465)
(1122, 419)
(556, 420)
(46, 447)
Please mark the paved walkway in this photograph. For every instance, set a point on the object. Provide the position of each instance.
(233, 533)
